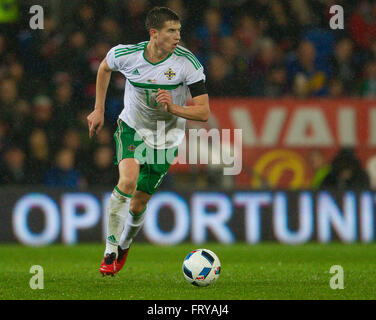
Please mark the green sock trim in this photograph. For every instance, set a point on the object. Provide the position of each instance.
(122, 193)
(137, 215)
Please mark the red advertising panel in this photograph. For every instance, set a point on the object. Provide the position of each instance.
(280, 136)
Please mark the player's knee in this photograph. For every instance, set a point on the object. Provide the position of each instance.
(127, 185)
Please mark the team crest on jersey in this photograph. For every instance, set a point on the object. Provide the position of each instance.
(170, 74)
(132, 148)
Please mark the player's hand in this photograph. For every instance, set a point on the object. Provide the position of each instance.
(95, 122)
(164, 98)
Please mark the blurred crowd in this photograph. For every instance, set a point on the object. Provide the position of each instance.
(259, 48)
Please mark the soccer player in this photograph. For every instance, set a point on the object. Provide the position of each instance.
(159, 73)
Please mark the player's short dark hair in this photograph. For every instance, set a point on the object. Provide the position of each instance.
(157, 16)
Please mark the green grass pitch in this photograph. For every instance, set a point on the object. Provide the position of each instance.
(263, 271)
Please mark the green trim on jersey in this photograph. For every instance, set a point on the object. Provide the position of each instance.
(127, 52)
(124, 51)
(180, 52)
(142, 47)
(154, 64)
(159, 62)
(188, 53)
(155, 86)
(131, 47)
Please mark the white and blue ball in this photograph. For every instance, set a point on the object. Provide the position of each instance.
(201, 267)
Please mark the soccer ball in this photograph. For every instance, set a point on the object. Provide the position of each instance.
(201, 267)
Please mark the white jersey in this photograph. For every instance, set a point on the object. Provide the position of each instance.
(158, 128)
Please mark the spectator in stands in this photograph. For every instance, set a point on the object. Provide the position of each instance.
(16, 72)
(237, 65)
(13, 168)
(104, 137)
(65, 106)
(81, 126)
(72, 57)
(42, 117)
(9, 97)
(218, 83)
(211, 31)
(320, 168)
(64, 173)
(279, 23)
(371, 171)
(85, 20)
(4, 141)
(266, 58)
(342, 64)
(276, 82)
(301, 11)
(40, 51)
(4, 51)
(362, 24)
(96, 55)
(49, 39)
(37, 156)
(247, 32)
(178, 7)
(368, 86)
(13, 110)
(336, 88)
(305, 77)
(110, 31)
(346, 173)
(103, 172)
(369, 54)
(134, 12)
(71, 140)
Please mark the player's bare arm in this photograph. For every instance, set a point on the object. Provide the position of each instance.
(200, 110)
(96, 118)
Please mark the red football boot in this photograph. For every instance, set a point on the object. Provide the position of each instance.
(122, 257)
(108, 265)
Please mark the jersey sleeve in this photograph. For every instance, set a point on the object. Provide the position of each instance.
(116, 59)
(194, 71)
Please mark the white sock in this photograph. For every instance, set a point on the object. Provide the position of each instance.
(117, 215)
(132, 227)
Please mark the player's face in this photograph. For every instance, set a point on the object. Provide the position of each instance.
(169, 36)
